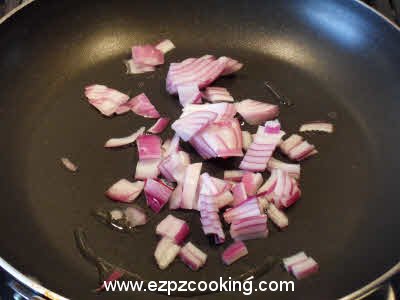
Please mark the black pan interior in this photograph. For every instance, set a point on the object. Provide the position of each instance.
(326, 56)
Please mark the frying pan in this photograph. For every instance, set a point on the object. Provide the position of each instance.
(330, 58)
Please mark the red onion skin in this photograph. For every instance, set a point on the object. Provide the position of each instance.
(115, 275)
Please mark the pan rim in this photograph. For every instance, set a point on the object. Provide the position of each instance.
(41, 290)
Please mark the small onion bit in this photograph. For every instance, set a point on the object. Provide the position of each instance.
(173, 228)
(147, 55)
(296, 148)
(208, 207)
(125, 191)
(134, 68)
(160, 125)
(231, 66)
(165, 252)
(149, 147)
(317, 126)
(292, 169)
(253, 227)
(165, 46)
(192, 256)
(256, 112)
(68, 164)
(200, 71)
(119, 142)
(248, 208)
(300, 265)
(105, 99)
(140, 105)
(157, 194)
(234, 252)
(252, 182)
(217, 94)
(262, 148)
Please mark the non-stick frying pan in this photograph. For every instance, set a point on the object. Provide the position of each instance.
(330, 58)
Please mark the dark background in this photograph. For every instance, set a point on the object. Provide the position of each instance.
(390, 8)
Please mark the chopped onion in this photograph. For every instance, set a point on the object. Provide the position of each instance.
(157, 194)
(149, 147)
(210, 221)
(223, 110)
(147, 55)
(192, 256)
(292, 169)
(174, 166)
(165, 46)
(224, 199)
(304, 269)
(233, 175)
(188, 94)
(262, 148)
(134, 68)
(208, 186)
(290, 143)
(165, 252)
(118, 142)
(125, 191)
(221, 184)
(239, 193)
(217, 94)
(269, 184)
(202, 72)
(147, 168)
(186, 127)
(317, 126)
(256, 112)
(135, 216)
(290, 261)
(220, 139)
(249, 228)
(252, 182)
(277, 216)
(160, 125)
(69, 164)
(176, 198)
(191, 179)
(302, 151)
(105, 99)
(141, 106)
(286, 190)
(231, 66)
(247, 208)
(173, 228)
(247, 139)
(234, 252)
